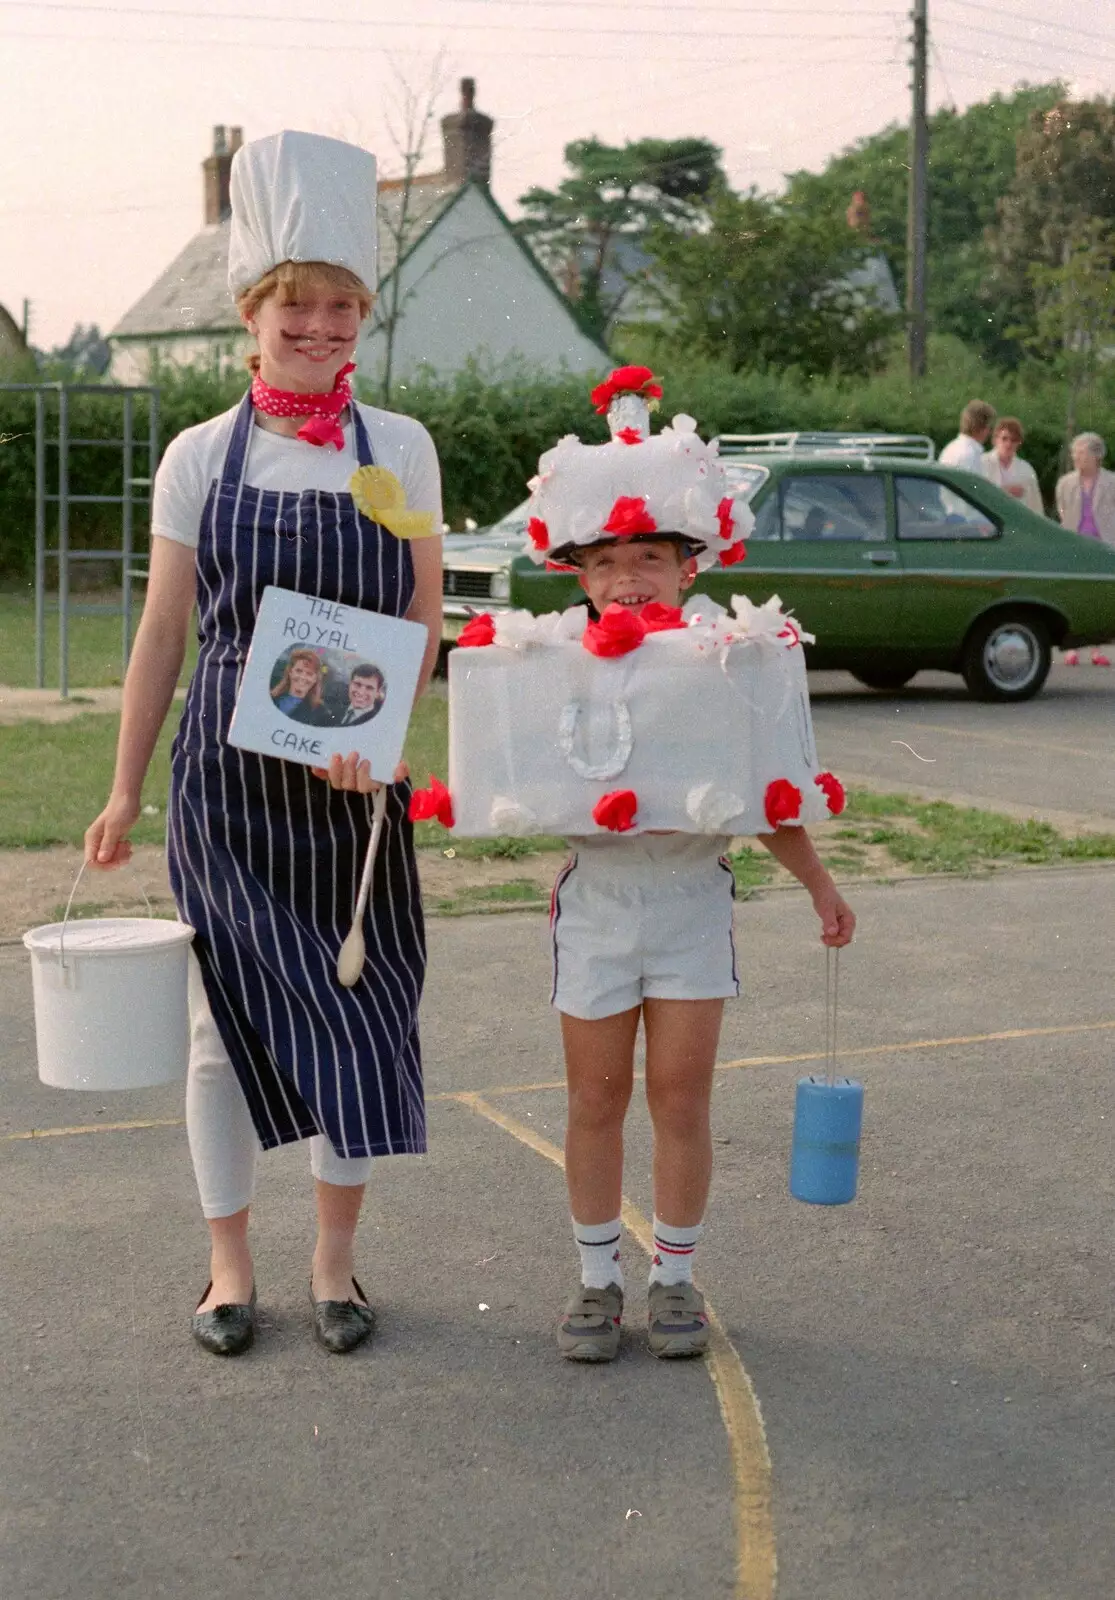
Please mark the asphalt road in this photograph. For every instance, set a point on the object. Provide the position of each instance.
(1051, 755)
(934, 1364)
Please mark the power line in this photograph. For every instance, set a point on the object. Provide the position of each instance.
(1053, 45)
(1019, 16)
(1028, 65)
(181, 14)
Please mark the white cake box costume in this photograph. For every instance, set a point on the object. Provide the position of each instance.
(693, 720)
(698, 722)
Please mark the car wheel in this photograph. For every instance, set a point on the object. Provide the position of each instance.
(1007, 657)
(880, 678)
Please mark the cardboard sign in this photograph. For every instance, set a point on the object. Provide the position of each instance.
(324, 679)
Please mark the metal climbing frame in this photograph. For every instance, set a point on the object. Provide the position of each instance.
(135, 490)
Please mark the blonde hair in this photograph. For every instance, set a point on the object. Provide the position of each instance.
(976, 416)
(283, 685)
(291, 280)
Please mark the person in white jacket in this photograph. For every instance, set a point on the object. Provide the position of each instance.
(1003, 466)
(966, 450)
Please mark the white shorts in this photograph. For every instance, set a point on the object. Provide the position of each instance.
(648, 918)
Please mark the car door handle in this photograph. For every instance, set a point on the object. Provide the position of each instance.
(880, 558)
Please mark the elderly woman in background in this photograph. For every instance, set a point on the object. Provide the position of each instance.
(1086, 504)
(1004, 467)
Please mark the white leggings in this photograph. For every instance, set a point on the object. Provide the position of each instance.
(223, 1142)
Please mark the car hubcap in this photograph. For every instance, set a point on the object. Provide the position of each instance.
(1011, 656)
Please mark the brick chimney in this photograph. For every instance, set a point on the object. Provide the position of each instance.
(858, 214)
(215, 170)
(467, 140)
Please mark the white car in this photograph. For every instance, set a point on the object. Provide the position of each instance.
(477, 570)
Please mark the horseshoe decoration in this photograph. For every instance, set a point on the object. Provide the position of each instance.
(571, 741)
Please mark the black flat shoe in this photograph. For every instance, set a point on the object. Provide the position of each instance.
(225, 1330)
(340, 1325)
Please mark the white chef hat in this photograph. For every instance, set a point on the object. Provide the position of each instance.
(301, 197)
(667, 485)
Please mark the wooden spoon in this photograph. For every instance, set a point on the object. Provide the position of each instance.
(350, 961)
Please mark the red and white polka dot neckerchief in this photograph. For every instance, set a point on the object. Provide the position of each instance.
(322, 410)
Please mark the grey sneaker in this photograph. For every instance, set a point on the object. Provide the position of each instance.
(676, 1320)
(589, 1328)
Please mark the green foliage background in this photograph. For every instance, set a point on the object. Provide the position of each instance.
(490, 428)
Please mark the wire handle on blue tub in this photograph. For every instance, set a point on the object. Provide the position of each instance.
(832, 996)
(69, 903)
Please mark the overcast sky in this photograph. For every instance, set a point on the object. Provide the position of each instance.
(107, 109)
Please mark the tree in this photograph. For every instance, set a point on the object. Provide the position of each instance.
(1075, 312)
(616, 196)
(766, 284)
(1064, 179)
(971, 162)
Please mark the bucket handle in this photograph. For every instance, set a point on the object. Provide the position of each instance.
(66, 915)
(832, 995)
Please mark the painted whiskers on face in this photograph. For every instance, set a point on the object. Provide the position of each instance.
(304, 343)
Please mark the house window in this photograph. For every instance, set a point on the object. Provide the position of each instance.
(834, 506)
(929, 509)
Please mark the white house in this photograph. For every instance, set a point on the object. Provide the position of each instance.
(456, 285)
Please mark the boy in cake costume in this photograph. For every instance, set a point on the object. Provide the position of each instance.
(641, 920)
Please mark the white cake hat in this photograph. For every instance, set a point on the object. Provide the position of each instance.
(671, 484)
(301, 197)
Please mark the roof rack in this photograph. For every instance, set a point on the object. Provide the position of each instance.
(917, 445)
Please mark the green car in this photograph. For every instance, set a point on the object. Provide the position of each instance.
(897, 563)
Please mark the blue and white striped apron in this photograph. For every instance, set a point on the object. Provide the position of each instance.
(265, 859)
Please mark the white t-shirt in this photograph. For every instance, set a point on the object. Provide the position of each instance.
(278, 461)
(1019, 475)
(963, 451)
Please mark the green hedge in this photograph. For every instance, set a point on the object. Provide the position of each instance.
(490, 431)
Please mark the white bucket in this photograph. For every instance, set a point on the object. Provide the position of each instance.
(110, 1002)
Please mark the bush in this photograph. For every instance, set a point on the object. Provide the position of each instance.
(490, 428)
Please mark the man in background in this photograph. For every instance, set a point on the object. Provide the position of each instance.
(966, 450)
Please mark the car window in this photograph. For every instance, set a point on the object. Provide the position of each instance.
(929, 509)
(835, 505)
(743, 479)
(767, 521)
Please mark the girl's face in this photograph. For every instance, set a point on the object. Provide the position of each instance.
(1006, 447)
(302, 679)
(633, 574)
(304, 343)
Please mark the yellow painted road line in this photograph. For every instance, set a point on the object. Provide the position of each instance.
(922, 1044)
(1005, 738)
(756, 1560)
(899, 1047)
(94, 1127)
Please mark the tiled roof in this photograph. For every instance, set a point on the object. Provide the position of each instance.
(192, 294)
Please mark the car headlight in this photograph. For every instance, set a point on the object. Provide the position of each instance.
(500, 586)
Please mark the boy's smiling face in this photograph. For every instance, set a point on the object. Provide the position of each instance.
(632, 572)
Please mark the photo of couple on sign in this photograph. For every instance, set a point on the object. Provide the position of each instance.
(327, 688)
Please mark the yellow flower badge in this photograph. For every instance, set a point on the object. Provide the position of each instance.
(380, 496)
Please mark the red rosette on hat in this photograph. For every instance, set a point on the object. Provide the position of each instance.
(625, 380)
(629, 516)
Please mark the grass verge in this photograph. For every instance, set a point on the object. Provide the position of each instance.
(95, 642)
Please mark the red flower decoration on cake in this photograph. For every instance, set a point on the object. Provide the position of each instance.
(790, 632)
(625, 380)
(657, 618)
(734, 553)
(629, 436)
(480, 631)
(833, 791)
(629, 516)
(539, 533)
(724, 517)
(619, 630)
(782, 802)
(616, 811)
(434, 804)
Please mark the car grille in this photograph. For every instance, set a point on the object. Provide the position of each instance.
(470, 585)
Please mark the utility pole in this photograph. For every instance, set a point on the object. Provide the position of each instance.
(918, 193)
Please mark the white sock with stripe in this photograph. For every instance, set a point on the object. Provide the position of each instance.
(672, 1261)
(598, 1243)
